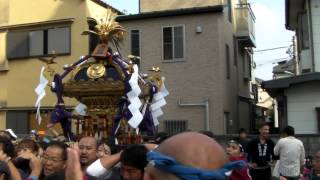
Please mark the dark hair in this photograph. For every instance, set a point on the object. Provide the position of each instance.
(43, 145)
(114, 149)
(61, 146)
(7, 147)
(264, 124)
(308, 162)
(309, 157)
(236, 142)
(289, 131)
(28, 143)
(160, 137)
(136, 156)
(6, 134)
(242, 130)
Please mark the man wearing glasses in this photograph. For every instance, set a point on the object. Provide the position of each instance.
(53, 161)
(54, 158)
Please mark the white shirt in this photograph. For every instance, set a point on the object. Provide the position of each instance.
(292, 154)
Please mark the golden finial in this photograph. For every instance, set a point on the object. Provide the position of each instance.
(155, 69)
(108, 28)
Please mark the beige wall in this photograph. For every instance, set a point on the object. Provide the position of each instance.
(3, 59)
(235, 86)
(95, 11)
(2, 120)
(160, 5)
(202, 73)
(4, 9)
(264, 100)
(224, 95)
(51, 9)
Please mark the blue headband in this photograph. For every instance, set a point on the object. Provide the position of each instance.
(170, 165)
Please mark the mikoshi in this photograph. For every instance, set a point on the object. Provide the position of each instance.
(115, 99)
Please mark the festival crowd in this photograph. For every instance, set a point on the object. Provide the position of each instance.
(186, 156)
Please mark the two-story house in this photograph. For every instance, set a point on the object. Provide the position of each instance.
(298, 96)
(204, 49)
(33, 29)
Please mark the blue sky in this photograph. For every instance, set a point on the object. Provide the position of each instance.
(270, 31)
(130, 6)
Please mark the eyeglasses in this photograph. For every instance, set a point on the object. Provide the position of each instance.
(52, 159)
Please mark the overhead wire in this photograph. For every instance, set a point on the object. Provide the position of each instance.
(271, 49)
(274, 61)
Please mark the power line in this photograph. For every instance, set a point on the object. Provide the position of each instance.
(274, 61)
(271, 59)
(282, 47)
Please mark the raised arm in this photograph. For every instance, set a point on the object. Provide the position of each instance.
(15, 175)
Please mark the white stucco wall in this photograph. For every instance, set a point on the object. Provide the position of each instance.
(302, 100)
(305, 60)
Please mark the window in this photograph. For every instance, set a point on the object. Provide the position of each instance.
(308, 70)
(135, 42)
(173, 42)
(22, 44)
(135, 46)
(227, 62)
(175, 126)
(247, 66)
(254, 90)
(18, 121)
(235, 51)
(226, 121)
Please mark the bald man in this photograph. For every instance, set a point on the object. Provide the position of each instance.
(188, 156)
(88, 151)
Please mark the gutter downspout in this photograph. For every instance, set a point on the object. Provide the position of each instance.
(311, 37)
(204, 104)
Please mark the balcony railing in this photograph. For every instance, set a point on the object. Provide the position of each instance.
(245, 21)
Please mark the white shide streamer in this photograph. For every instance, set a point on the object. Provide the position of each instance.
(81, 109)
(41, 92)
(158, 102)
(134, 100)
